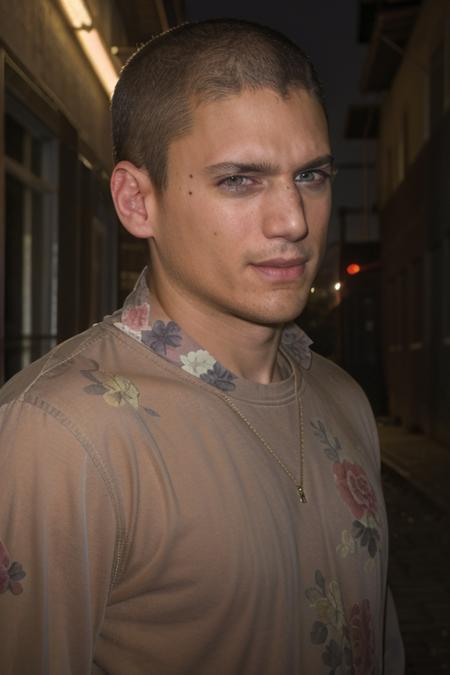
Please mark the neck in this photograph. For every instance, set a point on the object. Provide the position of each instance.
(247, 349)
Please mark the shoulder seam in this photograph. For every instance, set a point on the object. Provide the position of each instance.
(88, 446)
(72, 355)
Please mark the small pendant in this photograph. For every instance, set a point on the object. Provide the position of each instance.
(301, 494)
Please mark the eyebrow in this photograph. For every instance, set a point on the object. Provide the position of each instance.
(265, 168)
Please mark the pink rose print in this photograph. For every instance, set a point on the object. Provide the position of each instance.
(10, 573)
(136, 317)
(355, 488)
(361, 629)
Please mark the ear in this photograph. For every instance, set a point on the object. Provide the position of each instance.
(133, 195)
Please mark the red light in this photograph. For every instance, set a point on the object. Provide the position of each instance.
(353, 268)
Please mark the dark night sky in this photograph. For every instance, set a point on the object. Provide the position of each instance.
(327, 31)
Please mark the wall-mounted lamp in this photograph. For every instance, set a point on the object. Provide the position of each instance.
(81, 21)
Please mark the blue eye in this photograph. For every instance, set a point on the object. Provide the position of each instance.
(236, 183)
(308, 176)
(313, 177)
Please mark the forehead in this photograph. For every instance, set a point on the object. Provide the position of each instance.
(255, 125)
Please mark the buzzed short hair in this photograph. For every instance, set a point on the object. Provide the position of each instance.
(192, 64)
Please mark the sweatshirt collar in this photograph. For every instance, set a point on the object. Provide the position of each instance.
(143, 319)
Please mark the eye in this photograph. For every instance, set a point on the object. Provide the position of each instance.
(314, 178)
(236, 183)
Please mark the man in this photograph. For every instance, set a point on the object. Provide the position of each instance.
(186, 487)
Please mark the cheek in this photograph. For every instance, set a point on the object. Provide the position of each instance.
(321, 209)
(193, 234)
(318, 218)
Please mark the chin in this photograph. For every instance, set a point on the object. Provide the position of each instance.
(277, 314)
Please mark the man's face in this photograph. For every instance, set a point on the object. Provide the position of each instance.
(241, 226)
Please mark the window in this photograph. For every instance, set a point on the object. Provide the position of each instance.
(31, 246)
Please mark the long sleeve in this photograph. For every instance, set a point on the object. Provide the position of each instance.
(57, 523)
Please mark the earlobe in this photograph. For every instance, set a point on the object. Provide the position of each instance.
(132, 193)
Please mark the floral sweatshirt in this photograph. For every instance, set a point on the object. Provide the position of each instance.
(150, 519)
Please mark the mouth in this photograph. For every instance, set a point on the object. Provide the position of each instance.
(281, 269)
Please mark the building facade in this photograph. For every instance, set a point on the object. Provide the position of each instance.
(409, 64)
(61, 247)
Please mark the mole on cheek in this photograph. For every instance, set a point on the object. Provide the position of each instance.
(190, 192)
(191, 175)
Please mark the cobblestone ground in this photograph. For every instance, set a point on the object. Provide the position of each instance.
(419, 575)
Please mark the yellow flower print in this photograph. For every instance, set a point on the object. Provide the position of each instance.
(327, 602)
(346, 638)
(120, 392)
(347, 545)
(116, 390)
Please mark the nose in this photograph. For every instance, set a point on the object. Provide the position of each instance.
(285, 213)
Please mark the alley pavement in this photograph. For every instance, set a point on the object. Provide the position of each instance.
(416, 479)
(420, 460)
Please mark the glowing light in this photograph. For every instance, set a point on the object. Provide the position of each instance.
(77, 13)
(337, 286)
(91, 42)
(313, 290)
(98, 56)
(353, 268)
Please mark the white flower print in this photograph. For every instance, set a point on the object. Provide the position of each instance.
(197, 363)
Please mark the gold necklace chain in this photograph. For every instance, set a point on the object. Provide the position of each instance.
(299, 486)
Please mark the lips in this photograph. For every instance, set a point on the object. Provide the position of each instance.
(281, 262)
(281, 269)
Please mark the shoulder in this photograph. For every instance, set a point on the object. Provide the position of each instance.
(332, 389)
(73, 374)
(42, 375)
(102, 390)
(332, 382)
(330, 375)
(76, 390)
(46, 452)
(43, 405)
(327, 382)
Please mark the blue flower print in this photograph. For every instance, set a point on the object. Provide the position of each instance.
(219, 377)
(162, 335)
